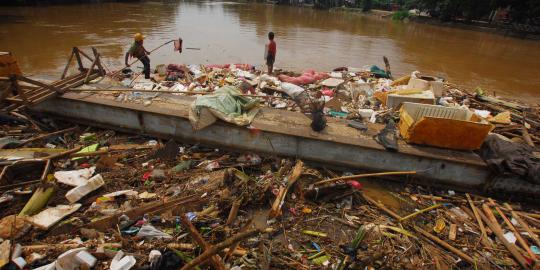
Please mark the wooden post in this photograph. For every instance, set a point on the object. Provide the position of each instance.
(90, 71)
(78, 57)
(67, 65)
(98, 63)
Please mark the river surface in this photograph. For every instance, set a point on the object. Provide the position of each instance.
(232, 32)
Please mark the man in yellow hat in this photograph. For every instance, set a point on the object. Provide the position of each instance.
(138, 50)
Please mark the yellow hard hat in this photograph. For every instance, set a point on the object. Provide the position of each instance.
(138, 37)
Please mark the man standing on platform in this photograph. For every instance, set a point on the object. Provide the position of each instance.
(137, 50)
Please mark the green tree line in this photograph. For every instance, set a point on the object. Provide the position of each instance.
(518, 11)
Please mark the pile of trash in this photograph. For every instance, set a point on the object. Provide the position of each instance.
(360, 95)
(76, 197)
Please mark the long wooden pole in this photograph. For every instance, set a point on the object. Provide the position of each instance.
(445, 245)
(162, 91)
(509, 224)
(483, 236)
(494, 226)
(363, 175)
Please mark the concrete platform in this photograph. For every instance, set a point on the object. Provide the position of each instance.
(281, 133)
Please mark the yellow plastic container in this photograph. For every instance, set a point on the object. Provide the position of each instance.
(445, 127)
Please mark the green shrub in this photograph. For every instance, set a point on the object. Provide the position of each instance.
(400, 15)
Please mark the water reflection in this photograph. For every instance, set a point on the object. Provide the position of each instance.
(226, 32)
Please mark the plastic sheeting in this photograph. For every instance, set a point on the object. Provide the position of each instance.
(226, 104)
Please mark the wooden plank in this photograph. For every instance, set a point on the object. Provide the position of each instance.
(52, 94)
(38, 83)
(15, 100)
(39, 93)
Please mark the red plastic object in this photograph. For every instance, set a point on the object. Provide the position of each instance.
(146, 175)
(355, 184)
(327, 92)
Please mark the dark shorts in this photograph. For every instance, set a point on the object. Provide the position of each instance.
(270, 60)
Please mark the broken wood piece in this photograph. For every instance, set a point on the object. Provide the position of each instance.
(63, 154)
(149, 208)
(215, 259)
(525, 132)
(445, 245)
(420, 212)
(453, 232)
(234, 211)
(5, 251)
(497, 230)
(381, 206)
(180, 246)
(350, 177)
(90, 154)
(295, 174)
(215, 249)
(483, 236)
(32, 248)
(44, 136)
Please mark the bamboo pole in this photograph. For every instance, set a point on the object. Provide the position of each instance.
(494, 226)
(67, 65)
(420, 212)
(510, 226)
(363, 175)
(445, 245)
(381, 206)
(164, 91)
(483, 235)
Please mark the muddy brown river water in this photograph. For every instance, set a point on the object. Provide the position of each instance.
(232, 32)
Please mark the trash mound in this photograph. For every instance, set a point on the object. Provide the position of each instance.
(76, 197)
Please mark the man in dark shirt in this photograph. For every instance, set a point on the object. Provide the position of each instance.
(137, 50)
